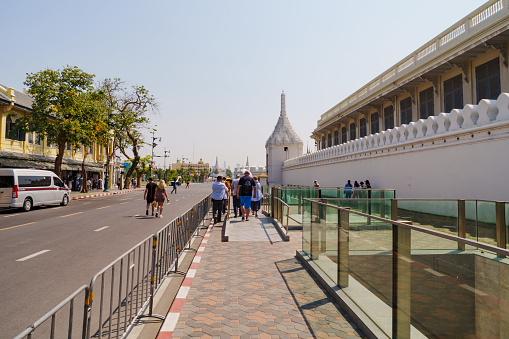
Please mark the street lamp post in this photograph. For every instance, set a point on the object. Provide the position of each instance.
(107, 173)
(153, 146)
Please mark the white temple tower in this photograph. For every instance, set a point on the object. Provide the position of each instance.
(283, 144)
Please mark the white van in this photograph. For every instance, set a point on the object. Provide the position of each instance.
(26, 188)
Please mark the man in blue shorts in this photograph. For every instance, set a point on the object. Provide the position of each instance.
(245, 190)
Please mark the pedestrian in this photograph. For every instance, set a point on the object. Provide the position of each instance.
(316, 184)
(100, 183)
(225, 198)
(174, 185)
(70, 185)
(160, 196)
(119, 183)
(368, 185)
(362, 185)
(236, 201)
(348, 190)
(218, 191)
(150, 194)
(355, 189)
(187, 184)
(245, 192)
(257, 197)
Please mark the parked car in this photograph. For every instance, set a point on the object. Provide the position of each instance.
(26, 188)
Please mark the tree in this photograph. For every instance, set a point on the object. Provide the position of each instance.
(142, 167)
(228, 172)
(128, 108)
(57, 109)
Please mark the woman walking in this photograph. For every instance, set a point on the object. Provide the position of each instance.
(161, 195)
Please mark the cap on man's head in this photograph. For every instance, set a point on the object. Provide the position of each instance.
(247, 172)
(315, 181)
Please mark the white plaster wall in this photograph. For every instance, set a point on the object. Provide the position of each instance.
(463, 170)
(276, 156)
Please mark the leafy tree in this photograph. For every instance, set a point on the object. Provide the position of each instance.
(142, 167)
(58, 107)
(128, 108)
(228, 173)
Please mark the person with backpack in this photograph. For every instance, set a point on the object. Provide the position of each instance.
(245, 190)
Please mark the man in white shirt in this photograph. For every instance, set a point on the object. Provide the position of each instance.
(219, 191)
(236, 201)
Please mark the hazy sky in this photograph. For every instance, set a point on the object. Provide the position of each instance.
(217, 68)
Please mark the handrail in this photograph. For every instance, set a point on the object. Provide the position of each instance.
(287, 213)
(487, 247)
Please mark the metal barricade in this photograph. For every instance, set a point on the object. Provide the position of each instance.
(71, 330)
(126, 287)
(279, 214)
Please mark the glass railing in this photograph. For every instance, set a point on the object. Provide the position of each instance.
(414, 281)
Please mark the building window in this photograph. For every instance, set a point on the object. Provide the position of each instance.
(343, 135)
(426, 103)
(363, 128)
(405, 108)
(329, 140)
(353, 134)
(389, 117)
(12, 132)
(323, 142)
(68, 146)
(487, 78)
(375, 123)
(453, 93)
(336, 137)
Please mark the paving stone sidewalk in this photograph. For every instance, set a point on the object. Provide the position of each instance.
(258, 289)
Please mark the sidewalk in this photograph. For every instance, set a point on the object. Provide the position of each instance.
(99, 193)
(253, 287)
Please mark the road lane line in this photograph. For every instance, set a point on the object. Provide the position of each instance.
(68, 215)
(8, 228)
(12, 215)
(32, 255)
(100, 208)
(86, 203)
(100, 229)
(124, 202)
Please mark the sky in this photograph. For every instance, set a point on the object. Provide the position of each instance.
(217, 67)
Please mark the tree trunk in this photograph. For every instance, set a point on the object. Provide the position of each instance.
(58, 159)
(138, 178)
(84, 172)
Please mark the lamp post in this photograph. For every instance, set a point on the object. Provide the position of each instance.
(111, 124)
(153, 146)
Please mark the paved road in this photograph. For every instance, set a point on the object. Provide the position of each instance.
(49, 252)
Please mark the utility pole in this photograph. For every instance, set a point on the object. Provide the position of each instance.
(165, 151)
(153, 146)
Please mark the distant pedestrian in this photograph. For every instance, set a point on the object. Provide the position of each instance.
(236, 201)
(362, 184)
(257, 197)
(245, 192)
(348, 190)
(225, 198)
(160, 196)
(187, 184)
(316, 184)
(355, 189)
(174, 185)
(368, 185)
(150, 194)
(218, 192)
(119, 183)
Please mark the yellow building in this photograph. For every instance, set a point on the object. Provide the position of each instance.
(22, 149)
(185, 166)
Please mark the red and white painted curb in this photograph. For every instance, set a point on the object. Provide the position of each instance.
(173, 315)
(103, 194)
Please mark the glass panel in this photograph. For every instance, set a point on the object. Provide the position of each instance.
(486, 222)
(327, 237)
(439, 215)
(369, 282)
(306, 228)
(471, 219)
(507, 224)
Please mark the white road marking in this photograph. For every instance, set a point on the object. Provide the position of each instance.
(86, 203)
(32, 255)
(57, 208)
(100, 229)
(12, 215)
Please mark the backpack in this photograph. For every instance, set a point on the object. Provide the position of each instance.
(246, 187)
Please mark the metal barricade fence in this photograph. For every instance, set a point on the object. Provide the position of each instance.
(126, 286)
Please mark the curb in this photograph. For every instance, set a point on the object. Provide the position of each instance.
(171, 319)
(103, 194)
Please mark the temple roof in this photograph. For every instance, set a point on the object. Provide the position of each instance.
(283, 133)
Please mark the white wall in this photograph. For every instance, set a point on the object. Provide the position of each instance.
(276, 157)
